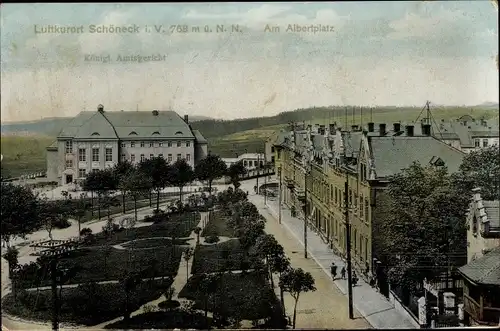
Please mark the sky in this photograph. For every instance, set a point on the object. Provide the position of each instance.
(256, 64)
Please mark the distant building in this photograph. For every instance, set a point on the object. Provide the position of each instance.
(250, 160)
(99, 140)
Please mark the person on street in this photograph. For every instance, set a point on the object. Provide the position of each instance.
(354, 278)
(333, 270)
(342, 273)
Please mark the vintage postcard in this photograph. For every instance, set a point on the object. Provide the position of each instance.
(280, 165)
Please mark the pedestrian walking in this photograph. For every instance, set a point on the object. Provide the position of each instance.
(333, 270)
(342, 273)
(354, 278)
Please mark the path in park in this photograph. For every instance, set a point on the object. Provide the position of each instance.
(377, 310)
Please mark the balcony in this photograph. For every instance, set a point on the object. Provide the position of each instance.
(482, 315)
(289, 183)
(301, 194)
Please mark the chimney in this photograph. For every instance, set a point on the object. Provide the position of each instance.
(426, 129)
(331, 128)
(155, 112)
(186, 119)
(409, 130)
(100, 109)
(354, 127)
(381, 129)
(397, 127)
(371, 126)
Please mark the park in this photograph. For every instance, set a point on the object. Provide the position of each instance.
(205, 263)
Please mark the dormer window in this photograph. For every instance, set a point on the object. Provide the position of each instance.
(95, 134)
(155, 133)
(178, 133)
(133, 133)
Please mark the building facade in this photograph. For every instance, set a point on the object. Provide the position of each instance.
(250, 160)
(99, 140)
(365, 159)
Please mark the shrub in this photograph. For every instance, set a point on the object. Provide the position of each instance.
(212, 239)
(61, 224)
(85, 232)
(169, 304)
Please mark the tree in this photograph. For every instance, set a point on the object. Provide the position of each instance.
(197, 231)
(188, 254)
(207, 287)
(295, 282)
(121, 171)
(480, 168)
(280, 264)
(77, 210)
(129, 282)
(181, 174)
(423, 228)
(135, 184)
(267, 247)
(235, 172)
(157, 170)
(209, 169)
(19, 212)
(12, 258)
(66, 270)
(51, 213)
(101, 182)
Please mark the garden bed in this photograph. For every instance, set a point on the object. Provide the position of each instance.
(218, 226)
(101, 264)
(179, 229)
(154, 242)
(221, 257)
(88, 304)
(172, 319)
(245, 296)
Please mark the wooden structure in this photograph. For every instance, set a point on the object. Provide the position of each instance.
(482, 289)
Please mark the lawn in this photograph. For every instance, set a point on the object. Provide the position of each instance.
(177, 229)
(101, 264)
(171, 319)
(154, 242)
(88, 304)
(218, 226)
(246, 296)
(221, 257)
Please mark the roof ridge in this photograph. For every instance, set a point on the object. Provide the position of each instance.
(109, 122)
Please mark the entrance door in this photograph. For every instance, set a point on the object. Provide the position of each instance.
(69, 179)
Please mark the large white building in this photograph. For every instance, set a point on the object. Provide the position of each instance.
(98, 140)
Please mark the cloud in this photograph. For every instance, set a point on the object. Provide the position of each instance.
(425, 26)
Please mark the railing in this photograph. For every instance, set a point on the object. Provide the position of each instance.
(488, 315)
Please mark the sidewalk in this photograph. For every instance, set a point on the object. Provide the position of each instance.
(377, 310)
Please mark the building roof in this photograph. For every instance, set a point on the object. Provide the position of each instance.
(392, 154)
(199, 137)
(484, 270)
(128, 125)
(492, 210)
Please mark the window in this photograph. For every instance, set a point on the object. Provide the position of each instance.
(69, 164)
(188, 143)
(474, 226)
(179, 157)
(245, 163)
(142, 157)
(336, 197)
(124, 145)
(367, 206)
(179, 144)
(109, 154)
(361, 206)
(169, 144)
(82, 154)
(123, 157)
(132, 158)
(272, 149)
(160, 155)
(151, 156)
(81, 173)
(132, 144)
(95, 154)
(188, 157)
(477, 143)
(69, 146)
(142, 143)
(355, 203)
(169, 159)
(151, 144)
(366, 249)
(160, 144)
(485, 142)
